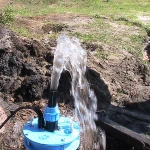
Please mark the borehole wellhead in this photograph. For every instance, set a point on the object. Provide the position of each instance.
(58, 133)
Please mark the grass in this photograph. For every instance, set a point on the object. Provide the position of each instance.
(114, 9)
(86, 7)
(6, 16)
(110, 19)
(21, 30)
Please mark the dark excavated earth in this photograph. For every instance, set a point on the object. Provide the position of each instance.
(25, 74)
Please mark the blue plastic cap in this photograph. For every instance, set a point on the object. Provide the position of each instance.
(51, 114)
(40, 139)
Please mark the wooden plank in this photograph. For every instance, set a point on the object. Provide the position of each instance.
(124, 134)
(132, 114)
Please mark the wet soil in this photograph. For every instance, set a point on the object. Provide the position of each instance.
(25, 71)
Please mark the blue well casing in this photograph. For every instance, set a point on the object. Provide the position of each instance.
(66, 137)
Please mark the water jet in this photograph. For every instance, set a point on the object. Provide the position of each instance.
(50, 130)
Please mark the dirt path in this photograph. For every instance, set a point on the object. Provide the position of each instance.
(4, 3)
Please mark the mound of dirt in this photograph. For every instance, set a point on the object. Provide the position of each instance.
(26, 65)
(26, 69)
(21, 60)
(127, 77)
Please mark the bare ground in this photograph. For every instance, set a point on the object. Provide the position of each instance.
(4, 3)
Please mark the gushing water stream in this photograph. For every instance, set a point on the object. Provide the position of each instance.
(70, 56)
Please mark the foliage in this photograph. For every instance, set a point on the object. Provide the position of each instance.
(6, 16)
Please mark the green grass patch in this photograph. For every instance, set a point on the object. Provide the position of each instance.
(118, 12)
(85, 37)
(6, 16)
(89, 7)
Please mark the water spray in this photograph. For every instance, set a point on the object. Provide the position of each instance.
(50, 130)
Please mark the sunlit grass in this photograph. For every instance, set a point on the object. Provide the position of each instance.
(89, 7)
(115, 9)
(121, 12)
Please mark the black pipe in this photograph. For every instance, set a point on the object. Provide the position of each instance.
(38, 111)
(52, 99)
(51, 126)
